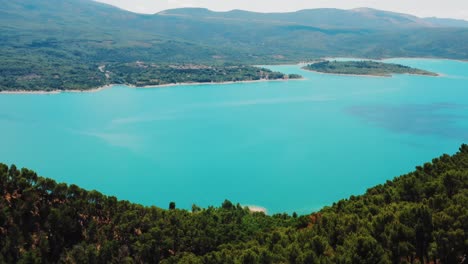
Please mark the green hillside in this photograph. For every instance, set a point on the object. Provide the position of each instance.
(373, 68)
(321, 17)
(60, 44)
(421, 217)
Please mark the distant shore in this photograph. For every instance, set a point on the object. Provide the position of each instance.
(249, 81)
(426, 58)
(257, 209)
(392, 58)
(360, 67)
(351, 75)
(211, 83)
(372, 75)
(92, 90)
(98, 89)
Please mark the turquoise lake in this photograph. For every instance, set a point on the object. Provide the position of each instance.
(285, 145)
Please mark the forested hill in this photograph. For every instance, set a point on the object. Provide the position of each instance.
(421, 217)
(373, 68)
(325, 18)
(61, 44)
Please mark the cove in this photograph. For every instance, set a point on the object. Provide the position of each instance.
(286, 146)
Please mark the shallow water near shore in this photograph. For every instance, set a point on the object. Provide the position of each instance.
(285, 146)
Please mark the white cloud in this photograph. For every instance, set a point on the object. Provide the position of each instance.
(422, 8)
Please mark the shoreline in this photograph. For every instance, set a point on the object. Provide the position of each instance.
(92, 90)
(208, 83)
(396, 58)
(299, 62)
(390, 75)
(423, 58)
(257, 209)
(372, 75)
(108, 86)
(351, 75)
(101, 88)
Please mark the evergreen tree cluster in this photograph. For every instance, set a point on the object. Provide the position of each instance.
(145, 74)
(421, 217)
(365, 67)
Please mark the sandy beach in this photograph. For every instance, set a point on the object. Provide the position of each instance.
(90, 90)
(30, 92)
(142, 87)
(257, 209)
(211, 83)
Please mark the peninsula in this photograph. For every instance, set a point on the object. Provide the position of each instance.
(138, 74)
(367, 67)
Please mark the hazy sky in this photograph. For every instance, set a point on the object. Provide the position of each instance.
(423, 8)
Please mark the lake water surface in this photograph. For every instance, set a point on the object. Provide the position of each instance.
(286, 146)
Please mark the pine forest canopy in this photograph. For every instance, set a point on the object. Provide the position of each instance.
(419, 217)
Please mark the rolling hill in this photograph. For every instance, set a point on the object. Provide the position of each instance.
(322, 17)
(69, 39)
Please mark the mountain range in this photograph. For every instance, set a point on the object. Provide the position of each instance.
(171, 35)
(322, 18)
(39, 37)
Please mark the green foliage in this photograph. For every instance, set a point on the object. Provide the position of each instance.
(61, 44)
(364, 68)
(33, 77)
(143, 74)
(172, 206)
(419, 217)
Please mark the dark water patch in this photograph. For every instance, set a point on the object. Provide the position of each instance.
(437, 119)
(252, 143)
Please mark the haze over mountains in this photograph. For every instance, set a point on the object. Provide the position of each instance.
(297, 35)
(38, 38)
(323, 17)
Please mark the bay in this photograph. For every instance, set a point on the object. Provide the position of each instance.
(284, 145)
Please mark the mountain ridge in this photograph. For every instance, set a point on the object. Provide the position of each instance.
(331, 14)
(64, 42)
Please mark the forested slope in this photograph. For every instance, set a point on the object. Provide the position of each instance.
(61, 44)
(365, 68)
(418, 217)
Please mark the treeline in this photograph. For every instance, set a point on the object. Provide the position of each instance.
(38, 74)
(421, 217)
(41, 75)
(144, 74)
(365, 68)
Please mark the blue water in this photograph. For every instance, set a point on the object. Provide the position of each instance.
(287, 146)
